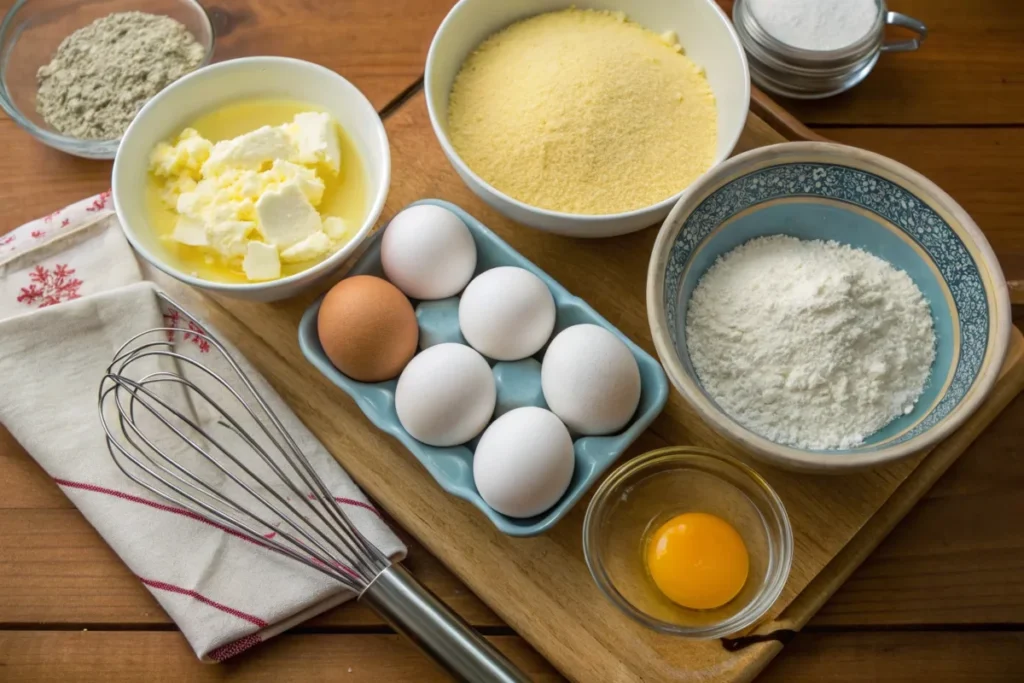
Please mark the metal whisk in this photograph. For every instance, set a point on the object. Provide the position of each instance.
(207, 441)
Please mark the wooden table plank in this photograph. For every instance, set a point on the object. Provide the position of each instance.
(899, 657)
(970, 70)
(859, 657)
(116, 657)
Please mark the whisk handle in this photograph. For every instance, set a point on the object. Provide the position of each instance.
(419, 615)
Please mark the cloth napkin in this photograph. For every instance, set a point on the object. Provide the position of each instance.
(71, 293)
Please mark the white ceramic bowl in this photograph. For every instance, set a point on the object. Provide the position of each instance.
(216, 86)
(704, 32)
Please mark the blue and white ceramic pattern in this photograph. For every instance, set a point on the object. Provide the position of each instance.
(824, 191)
(518, 383)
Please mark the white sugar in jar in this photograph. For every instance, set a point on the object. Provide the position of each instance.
(816, 24)
(809, 49)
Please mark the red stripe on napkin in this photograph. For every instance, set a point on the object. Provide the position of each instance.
(199, 518)
(232, 649)
(158, 506)
(160, 585)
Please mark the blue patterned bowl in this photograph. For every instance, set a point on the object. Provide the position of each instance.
(814, 190)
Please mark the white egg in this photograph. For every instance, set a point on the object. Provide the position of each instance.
(590, 380)
(507, 313)
(445, 396)
(524, 462)
(428, 252)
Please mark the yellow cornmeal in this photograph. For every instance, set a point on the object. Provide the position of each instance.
(345, 195)
(583, 111)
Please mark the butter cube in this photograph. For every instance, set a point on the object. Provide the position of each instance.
(306, 178)
(314, 246)
(261, 262)
(286, 216)
(190, 232)
(251, 150)
(335, 228)
(316, 136)
(229, 237)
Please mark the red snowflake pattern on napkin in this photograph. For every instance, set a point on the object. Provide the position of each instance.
(49, 287)
(100, 202)
(192, 333)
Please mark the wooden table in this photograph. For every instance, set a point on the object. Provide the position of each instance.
(941, 599)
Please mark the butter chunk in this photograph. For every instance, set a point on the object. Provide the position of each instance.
(229, 237)
(251, 150)
(316, 136)
(286, 216)
(185, 157)
(194, 202)
(230, 210)
(190, 232)
(335, 228)
(175, 187)
(261, 262)
(314, 246)
(306, 178)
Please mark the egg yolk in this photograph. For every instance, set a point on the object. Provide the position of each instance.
(697, 560)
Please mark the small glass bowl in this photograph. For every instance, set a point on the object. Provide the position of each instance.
(647, 491)
(29, 36)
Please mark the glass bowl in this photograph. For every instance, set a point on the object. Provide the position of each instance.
(29, 36)
(647, 491)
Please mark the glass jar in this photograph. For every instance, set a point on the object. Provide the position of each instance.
(799, 73)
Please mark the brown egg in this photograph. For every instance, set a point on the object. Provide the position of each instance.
(368, 328)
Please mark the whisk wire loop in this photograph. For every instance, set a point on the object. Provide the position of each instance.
(201, 436)
(287, 507)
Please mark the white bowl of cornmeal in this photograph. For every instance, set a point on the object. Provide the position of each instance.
(588, 119)
(253, 177)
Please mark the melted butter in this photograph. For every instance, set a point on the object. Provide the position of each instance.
(345, 196)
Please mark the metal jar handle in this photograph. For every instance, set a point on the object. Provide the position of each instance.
(898, 19)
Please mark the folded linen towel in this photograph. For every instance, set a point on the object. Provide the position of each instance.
(71, 293)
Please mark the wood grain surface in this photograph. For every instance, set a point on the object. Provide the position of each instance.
(950, 579)
(969, 71)
(842, 657)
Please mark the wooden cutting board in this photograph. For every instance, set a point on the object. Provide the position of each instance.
(541, 586)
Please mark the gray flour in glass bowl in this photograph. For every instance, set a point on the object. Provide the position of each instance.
(103, 73)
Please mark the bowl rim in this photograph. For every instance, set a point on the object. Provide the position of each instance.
(309, 274)
(465, 171)
(787, 456)
(61, 141)
(774, 584)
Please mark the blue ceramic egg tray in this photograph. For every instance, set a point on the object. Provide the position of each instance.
(517, 383)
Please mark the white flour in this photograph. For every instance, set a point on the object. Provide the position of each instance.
(816, 24)
(809, 343)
